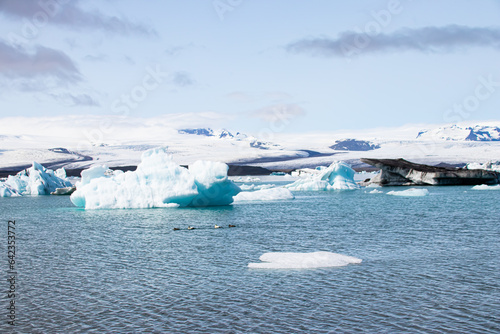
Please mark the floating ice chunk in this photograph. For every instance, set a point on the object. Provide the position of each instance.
(338, 176)
(7, 191)
(60, 173)
(412, 192)
(91, 173)
(303, 260)
(37, 180)
(157, 182)
(264, 195)
(248, 179)
(214, 187)
(246, 187)
(486, 187)
(494, 166)
(375, 191)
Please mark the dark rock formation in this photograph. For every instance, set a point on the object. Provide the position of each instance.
(353, 145)
(399, 172)
(199, 132)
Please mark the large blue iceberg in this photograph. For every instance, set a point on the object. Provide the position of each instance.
(36, 180)
(157, 182)
(338, 176)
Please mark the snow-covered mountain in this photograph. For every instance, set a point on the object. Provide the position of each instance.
(226, 134)
(456, 133)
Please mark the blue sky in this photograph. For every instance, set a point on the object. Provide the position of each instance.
(241, 64)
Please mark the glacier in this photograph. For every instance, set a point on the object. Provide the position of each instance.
(338, 176)
(157, 182)
(286, 260)
(271, 194)
(36, 180)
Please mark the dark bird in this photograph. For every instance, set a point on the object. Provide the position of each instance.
(176, 229)
(232, 225)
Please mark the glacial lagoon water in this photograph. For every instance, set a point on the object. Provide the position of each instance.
(430, 265)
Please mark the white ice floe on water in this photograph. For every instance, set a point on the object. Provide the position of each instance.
(486, 187)
(412, 192)
(246, 187)
(338, 176)
(375, 191)
(36, 180)
(278, 260)
(157, 182)
(247, 179)
(264, 195)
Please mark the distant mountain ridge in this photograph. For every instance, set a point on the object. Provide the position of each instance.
(223, 133)
(458, 133)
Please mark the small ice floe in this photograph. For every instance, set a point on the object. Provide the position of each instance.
(375, 191)
(247, 179)
(284, 260)
(246, 187)
(272, 194)
(486, 187)
(412, 192)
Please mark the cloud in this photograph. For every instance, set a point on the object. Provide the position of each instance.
(182, 79)
(96, 58)
(240, 96)
(39, 61)
(80, 100)
(428, 39)
(67, 13)
(279, 112)
(272, 97)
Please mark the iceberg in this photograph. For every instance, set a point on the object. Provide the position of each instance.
(283, 260)
(157, 182)
(214, 187)
(492, 166)
(338, 176)
(37, 180)
(264, 195)
(412, 192)
(486, 187)
(8, 191)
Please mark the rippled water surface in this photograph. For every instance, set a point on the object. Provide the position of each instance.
(430, 265)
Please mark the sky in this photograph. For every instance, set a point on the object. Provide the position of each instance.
(319, 65)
